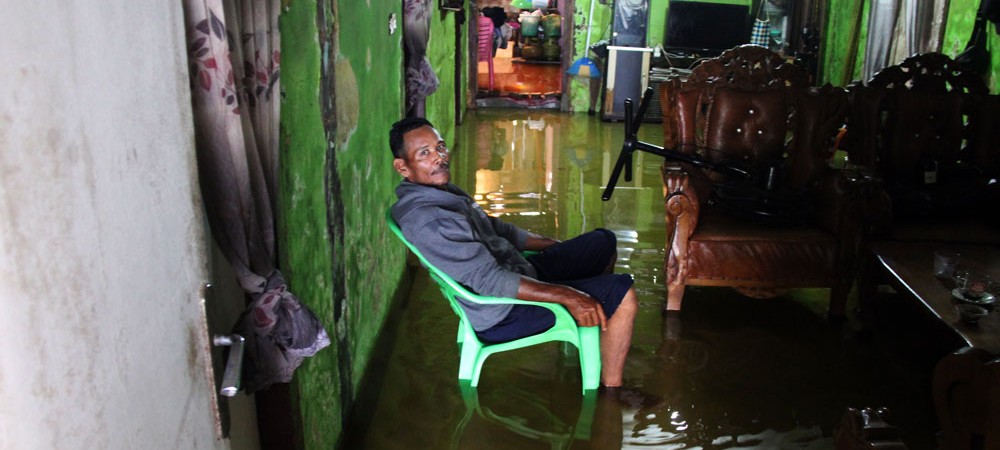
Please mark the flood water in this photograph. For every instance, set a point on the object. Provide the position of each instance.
(727, 372)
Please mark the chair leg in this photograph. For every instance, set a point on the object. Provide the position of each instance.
(590, 357)
(470, 362)
(675, 295)
(491, 73)
(585, 421)
(477, 369)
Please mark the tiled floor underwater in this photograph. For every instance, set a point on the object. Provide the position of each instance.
(728, 372)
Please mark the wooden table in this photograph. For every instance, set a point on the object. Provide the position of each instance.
(908, 266)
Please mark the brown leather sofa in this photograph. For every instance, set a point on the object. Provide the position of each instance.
(750, 108)
(930, 131)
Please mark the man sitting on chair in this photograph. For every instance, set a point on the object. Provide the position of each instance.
(484, 254)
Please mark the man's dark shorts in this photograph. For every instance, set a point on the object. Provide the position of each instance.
(579, 263)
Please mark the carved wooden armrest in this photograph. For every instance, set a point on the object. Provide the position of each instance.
(681, 196)
(681, 206)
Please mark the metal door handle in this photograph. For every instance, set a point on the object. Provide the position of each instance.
(234, 364)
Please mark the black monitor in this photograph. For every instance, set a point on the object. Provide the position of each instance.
(705, 28)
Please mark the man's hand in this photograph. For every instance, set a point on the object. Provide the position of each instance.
(585, 310)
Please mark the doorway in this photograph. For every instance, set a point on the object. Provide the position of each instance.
(528, 41)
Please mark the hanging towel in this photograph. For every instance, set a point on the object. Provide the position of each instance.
(760, 34)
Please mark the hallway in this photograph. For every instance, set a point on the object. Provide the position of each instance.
(727, 372)
(519, 82)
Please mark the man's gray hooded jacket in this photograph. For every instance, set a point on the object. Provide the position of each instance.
(456, 236)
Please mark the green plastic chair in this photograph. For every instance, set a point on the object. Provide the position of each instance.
(587, 340)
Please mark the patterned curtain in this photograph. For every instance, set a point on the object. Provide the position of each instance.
(234, 61)
(421, 81)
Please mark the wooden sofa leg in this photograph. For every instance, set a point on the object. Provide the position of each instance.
(675, 294)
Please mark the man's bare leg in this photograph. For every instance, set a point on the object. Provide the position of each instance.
(616, 340)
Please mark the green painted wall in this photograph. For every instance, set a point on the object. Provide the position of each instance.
(369, 96)
(441, 53)
(341, 94)
(305, 247)
(838, 65)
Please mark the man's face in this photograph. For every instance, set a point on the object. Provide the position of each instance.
(426, 160)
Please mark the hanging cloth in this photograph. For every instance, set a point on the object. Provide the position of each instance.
(760, 34)
(882, 17)
(990, 10)
(976, 56)
(235, 60)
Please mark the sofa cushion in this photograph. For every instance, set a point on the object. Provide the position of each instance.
(747, 125)
(735, 251)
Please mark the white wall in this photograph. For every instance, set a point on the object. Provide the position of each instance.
(102, 243)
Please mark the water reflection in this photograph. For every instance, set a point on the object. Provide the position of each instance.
(546, 172)
(526, 417)
(513, 171)
(524, 414)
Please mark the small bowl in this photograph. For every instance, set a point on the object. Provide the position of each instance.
(971, 313)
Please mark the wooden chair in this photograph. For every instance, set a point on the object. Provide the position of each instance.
(749, 106)
(930, 131)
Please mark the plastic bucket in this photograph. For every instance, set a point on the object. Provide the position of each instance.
(551, 49)
(552, 25)
(529, 25)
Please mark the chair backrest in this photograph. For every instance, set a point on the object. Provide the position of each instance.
(751, 68)
(452, 289)
(474, 352)
(485, 33)
(927, 108)
(449, 287)
(741, 106)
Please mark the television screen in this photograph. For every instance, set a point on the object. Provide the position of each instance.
(706, 28)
